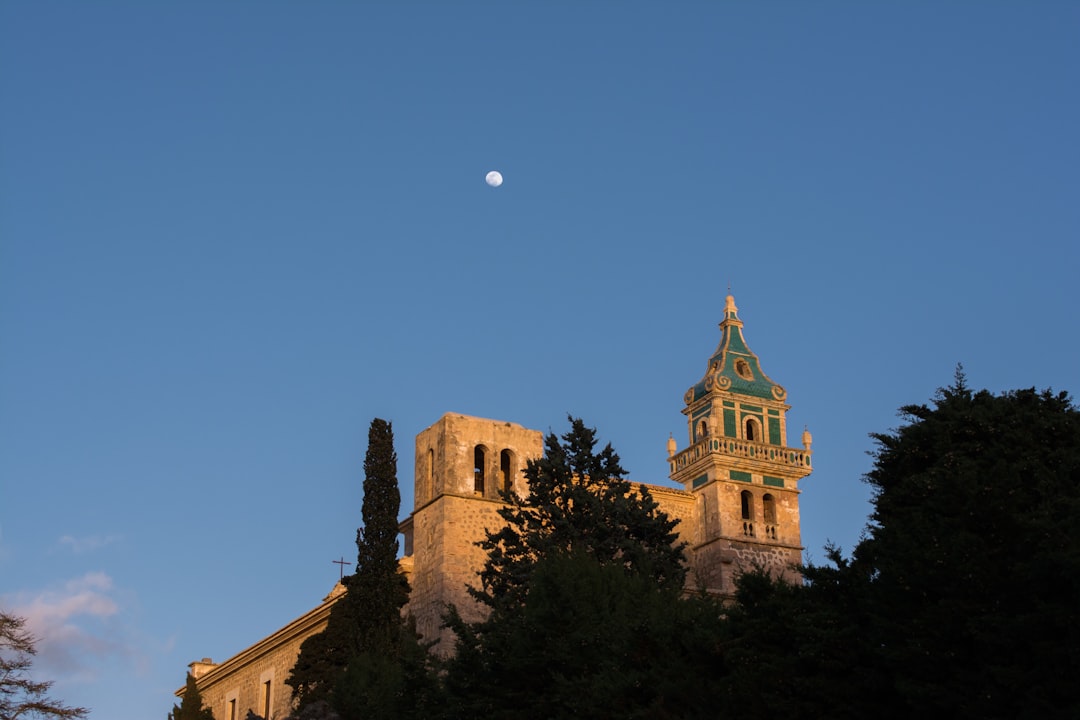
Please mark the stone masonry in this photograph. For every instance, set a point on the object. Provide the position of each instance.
(737, 503)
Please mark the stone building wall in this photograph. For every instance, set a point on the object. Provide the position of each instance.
(462, 463)
(445, 560)
(254, 679)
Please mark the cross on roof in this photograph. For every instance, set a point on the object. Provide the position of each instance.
(341, 567)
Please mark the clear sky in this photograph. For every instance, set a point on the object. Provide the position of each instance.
(231, 234)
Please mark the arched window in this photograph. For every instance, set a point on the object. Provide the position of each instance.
(747, 513)
(702, 430)
(753, 430)
(506, 468)
(480, 461)
(768, 507)
(768, 512)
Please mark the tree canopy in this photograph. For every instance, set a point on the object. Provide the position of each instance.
(961, 597)
(20, 695)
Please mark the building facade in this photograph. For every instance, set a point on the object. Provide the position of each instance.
(735, 494)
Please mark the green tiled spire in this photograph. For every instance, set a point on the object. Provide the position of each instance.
(733, 367)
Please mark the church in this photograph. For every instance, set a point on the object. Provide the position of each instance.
(735, 495)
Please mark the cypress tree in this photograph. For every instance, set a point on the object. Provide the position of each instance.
(191, 704)
(339, 665)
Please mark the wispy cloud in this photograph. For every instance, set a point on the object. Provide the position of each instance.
(90, 543)
(75, 626)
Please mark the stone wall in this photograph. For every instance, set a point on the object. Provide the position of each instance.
(254, 679)
(445, 561)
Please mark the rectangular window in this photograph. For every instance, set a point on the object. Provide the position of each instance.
(266, 700)
(232, 709)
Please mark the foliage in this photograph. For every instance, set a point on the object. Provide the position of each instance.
(578, 500)
(961, 596)
(316, 710)
(191, 704)
(592, 640)
(800, 651)
(20, 696)
(975, 551)
(364, 653)
(583, 586)
(397, 684)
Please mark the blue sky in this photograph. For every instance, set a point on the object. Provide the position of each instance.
(231, 234)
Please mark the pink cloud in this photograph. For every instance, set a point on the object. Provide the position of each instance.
(74, 625)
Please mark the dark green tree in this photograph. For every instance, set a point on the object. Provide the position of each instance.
(583, 589)
(974, 553)
(578, 500)
(801, 651)
(355, 664)
(592, 640)
(962, 596)
(191, 704)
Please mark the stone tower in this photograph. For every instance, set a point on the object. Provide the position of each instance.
(738, 466)
(462, 463)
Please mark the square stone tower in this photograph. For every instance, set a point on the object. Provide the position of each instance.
(462, 464)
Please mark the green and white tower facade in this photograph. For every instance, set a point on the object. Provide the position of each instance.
(738, 466)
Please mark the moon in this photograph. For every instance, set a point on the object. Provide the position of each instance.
(493, 178)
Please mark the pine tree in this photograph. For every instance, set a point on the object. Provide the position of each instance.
(579, 500)
(582, 584)
(357, 662)
(191, 704)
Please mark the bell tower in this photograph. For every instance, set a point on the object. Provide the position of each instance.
(742, 474)
(462, 464)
